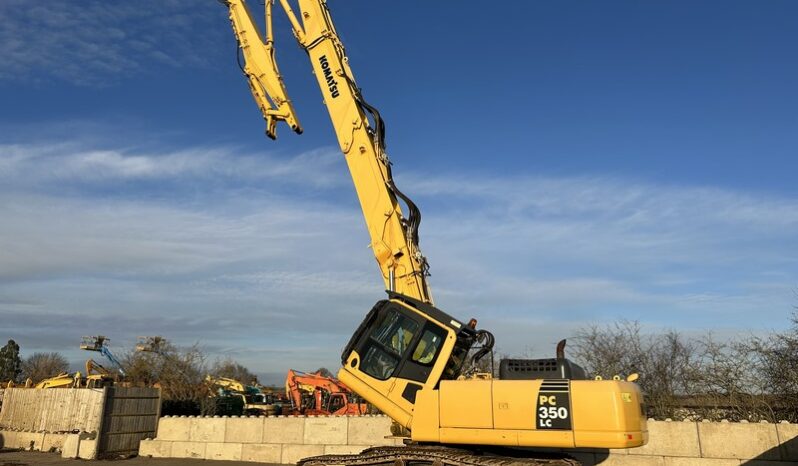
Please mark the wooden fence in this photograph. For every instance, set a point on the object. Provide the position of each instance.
(116, 418)
(130, 415)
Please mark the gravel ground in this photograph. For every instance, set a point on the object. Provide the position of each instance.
(26, 458)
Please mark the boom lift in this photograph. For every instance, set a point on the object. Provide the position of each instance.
(407, 357)
(98, 343)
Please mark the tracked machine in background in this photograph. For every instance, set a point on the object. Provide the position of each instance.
(408, 358)
(316, 394)
(255, 401)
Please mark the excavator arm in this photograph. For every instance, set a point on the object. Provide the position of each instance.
(358, 126)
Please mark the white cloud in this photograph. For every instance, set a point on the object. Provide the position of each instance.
(262, 270)
(93, 42)
(73, 162)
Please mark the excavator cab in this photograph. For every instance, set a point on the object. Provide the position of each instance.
(402, 346)
(409, 359)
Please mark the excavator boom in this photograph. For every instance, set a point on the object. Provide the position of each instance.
(394, 237)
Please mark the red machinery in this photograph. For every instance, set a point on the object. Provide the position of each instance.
(316, 394)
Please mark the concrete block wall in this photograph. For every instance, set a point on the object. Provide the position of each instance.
(82, 446)
(288, 439)
(52, 410)
(62, 420)
(688, 443)
(277, 439)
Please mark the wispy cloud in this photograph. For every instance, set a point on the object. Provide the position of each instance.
(257, 270)
(93, 42)
(74, 162)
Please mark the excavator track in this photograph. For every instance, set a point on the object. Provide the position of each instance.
(432, 455)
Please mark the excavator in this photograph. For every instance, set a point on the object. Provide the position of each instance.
(407, 357)
(96, 376)
(254, 400)
(315, 394)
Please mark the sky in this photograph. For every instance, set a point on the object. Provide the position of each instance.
(576, 163)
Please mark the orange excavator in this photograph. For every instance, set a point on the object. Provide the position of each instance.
(317, 394)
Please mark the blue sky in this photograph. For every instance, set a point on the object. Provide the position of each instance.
(575, 162)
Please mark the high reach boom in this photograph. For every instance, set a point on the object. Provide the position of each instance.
(394, 236)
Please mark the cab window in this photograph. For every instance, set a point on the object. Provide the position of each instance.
(428, 345)
(387, 344)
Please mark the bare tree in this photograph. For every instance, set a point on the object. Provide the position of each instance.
(610, 350)
(40, 366)
(776, 359)
(663, 361)
(723, 383)
(233, 370)
(752, 379)
(179, 372)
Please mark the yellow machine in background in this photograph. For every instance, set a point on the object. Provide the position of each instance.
(408, 358)
(96, 376)
(63, 380)
(254, 401)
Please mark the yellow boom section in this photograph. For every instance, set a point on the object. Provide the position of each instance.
(394, 238)
(260, 69)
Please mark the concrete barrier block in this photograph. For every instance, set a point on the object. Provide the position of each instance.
(673, 461)
(8, 439)
(176, 429)
(283, 429)
(31, 441)
(53, 442)
(670, 439)
(293, 453)
(327, 430)
(788, 439)
(244, 430)
(223, 451)
(71, 446)
(155, 448)
(188, 450)
(261, 452)
(87, 449)
(633, 460)
(740, 441)
(369, 430)
(344, 449)
(207, 429)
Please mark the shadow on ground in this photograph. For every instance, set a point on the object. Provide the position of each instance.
(786, 453)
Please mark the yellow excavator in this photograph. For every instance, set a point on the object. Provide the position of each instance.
(407, 357)
(97, 376)
(62, 380)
